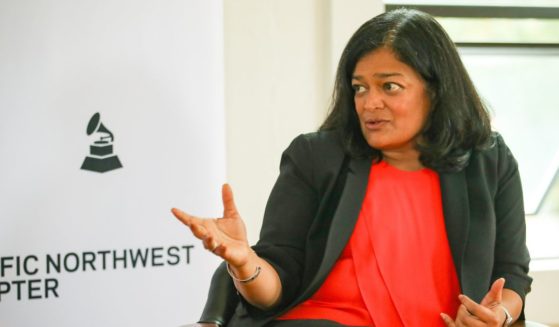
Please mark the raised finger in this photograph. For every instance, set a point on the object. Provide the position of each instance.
(476, 309)
(229, 207)
(495, 294)
(183, 216)
(198, 226)
(187, 219)
(447, 320)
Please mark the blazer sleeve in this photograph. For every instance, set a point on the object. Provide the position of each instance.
(289, 213)
(511, 254)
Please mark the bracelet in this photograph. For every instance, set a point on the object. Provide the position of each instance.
(247, 280)
(508, 317)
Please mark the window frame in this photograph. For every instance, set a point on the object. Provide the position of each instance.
(484, 11)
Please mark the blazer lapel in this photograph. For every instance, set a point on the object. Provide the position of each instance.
(454, 192)
(344, 218)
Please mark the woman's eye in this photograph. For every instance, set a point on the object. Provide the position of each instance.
(358, 88)
(391, 87)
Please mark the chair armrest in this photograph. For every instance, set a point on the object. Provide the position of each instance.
(222, 299)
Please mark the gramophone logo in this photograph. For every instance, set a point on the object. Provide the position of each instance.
(101, 158)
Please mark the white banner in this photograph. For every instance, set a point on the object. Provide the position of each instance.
(111, 113)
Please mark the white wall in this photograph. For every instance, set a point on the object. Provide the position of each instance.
(280, 58)
(543, 302)
(279, 66)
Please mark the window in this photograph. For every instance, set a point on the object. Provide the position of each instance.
(512, 55)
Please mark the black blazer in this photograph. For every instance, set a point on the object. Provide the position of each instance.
(316, 200)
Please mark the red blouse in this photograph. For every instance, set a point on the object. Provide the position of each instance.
(396, 269)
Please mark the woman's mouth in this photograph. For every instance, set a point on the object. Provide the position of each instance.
(375, 124)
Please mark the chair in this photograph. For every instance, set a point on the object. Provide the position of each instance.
(222, 301)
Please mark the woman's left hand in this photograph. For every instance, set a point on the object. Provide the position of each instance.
(486, 313)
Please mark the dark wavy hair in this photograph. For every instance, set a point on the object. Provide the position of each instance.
(458, 121)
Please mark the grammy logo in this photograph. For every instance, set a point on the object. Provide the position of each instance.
(101, 158)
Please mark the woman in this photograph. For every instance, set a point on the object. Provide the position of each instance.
(402, 210)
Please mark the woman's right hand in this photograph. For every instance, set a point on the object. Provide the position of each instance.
(226, 236)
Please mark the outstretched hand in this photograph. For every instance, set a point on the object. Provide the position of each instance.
(225, 236)
(487, 313)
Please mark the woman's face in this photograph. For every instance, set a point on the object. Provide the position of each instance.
(391, 101)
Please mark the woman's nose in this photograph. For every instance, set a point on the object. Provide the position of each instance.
(373, 100)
